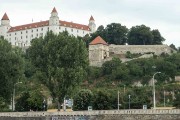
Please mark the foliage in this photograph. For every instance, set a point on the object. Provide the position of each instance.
(11, 69)
(173, 46)
(113, 33)
(3, 105)
(138, 98)
(157, 38)
(130, 55)
(101, 100)
(60, 61)
(116, 34)
(177, 100)
(142, 35)
(83, 99)
(32, 100)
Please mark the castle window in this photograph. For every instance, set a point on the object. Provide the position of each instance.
(105, 55)
(26, 31)
(9, 34)
(83, 32)
(41, 29)
(26, 36)
(37, 35)
(31, 30)
(21, 32)
(15, 43)
(24, 45)
(15, 33)
(41, 34)
(21, 37)
(77, 31)
(65, 29)
(32, 36)
(59, 27)
(71, 30)
(48, 28)
(37, 30)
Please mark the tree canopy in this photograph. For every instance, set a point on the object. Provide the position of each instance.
(142, 35)
(60, 61)
(113, 33)
(11, 69)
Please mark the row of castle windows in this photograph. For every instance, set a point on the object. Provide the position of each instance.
(48, 30)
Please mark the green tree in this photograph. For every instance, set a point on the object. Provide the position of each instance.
(11, 69)
(3, 105)
(140, 35)
(157, 38)
(102, 100)
(61, 61)
(177, 101)
(173, 46)
(116, 34)
(83, 99)
(113, 33)
(30, 100)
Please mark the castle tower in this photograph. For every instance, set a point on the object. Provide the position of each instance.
(92, 24)
(54, 19)
(5, 20)
(98, 51)
(5, 25)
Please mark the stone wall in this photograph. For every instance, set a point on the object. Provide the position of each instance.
(143, 49)
(96, 52)
(96, 115)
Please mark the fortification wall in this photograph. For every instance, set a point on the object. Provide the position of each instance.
(156, 49)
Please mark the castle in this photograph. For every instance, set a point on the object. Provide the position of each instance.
(99, 50)
(22, 35)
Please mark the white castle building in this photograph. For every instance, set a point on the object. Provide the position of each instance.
(23, 34)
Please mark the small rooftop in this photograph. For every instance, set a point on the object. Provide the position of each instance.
(98, 40)
(5, 17)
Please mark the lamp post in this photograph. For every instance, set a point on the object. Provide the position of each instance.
(154, 95)
(129, 101)
(13, 102)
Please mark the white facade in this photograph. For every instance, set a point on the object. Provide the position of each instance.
(22, 35)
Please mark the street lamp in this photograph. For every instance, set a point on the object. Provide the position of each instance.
(13, 104)
(129, 101)
(154, 95)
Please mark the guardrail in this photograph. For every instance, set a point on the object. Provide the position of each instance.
(89, 113)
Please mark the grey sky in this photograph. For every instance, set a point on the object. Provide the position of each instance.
(163, 15)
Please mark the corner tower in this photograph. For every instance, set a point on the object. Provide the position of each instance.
(92, 24)
(5, 25)
(54, 19)
(98, 51)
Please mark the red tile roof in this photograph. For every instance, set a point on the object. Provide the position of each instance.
(74, 25)
(91, 18)
(46, 23)
(54, 10)
(98, 40)
(5, 17)
(29, 26)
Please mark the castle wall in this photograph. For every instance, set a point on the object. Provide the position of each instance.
(143, 49)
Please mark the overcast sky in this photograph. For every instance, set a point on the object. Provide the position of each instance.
(163, 15)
